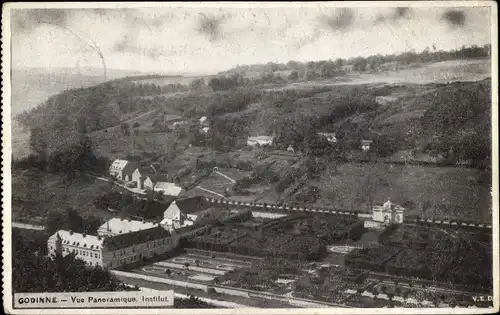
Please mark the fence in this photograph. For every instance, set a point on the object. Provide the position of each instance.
(359, 214)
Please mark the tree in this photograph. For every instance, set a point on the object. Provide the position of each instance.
(294, 75)
(186, 265)
(74, 221)
(135, 125)
(125, 128)
(197, 85)
(168, 272)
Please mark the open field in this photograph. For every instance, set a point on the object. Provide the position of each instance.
(34, 194)
(446, 192)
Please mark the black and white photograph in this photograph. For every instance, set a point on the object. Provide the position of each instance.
(324, 157)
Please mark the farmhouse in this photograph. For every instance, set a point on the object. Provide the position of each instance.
(330, 137)
(140, 175)
(388, 213)
(366, 145)
(116, 226)
(184, 212)
(260, 141)
(122, 169)
(203, 121)
(113, 251)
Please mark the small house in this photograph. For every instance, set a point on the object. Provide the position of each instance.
(388, 213)
(330, 137)
(122, 169)
(290, 149)
(260, 141)
(184, 212)
(203, 121)
(140, 175)
(366, 145)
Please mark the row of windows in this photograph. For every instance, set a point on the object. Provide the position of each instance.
(83, 252)
(155, 244)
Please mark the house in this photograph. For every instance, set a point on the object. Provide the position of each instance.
(366, 145)
(184, 212)
(260, 141)
(140, 174)
(113, 251)
(177, 124)
(388, 213)
(170, 189)
(116, 226)
(330, 136)
(205, 129)
(290, 148)
(203, 121)
(122, 169)
(160, 183)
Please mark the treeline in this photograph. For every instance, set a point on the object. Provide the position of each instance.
(78, 158)
(304, 71)
(71, 220)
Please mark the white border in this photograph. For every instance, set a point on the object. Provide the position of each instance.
(6, 152)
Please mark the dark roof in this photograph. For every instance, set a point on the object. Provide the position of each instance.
(135, 238)
(145, 171)
(129, 167)
(149, 209)
(159, 178)
(192, 205)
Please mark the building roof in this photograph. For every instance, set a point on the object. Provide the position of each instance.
(192, 205)
(123, 165)
(261, 138)
(135, 238)
(145, 171)
(120, 225)
(70, 238)
(203, 119)
(155, 178)
(168, 188)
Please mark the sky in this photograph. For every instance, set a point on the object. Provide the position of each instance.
(209, 40)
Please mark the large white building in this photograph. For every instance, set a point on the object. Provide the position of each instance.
(117, 226)
(113, 251)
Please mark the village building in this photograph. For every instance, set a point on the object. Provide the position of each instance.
(140, 175)
(388, 213)
(159, 183)
(290, 149)
(203, 121)
(114, 251)
(184, 212)
(330, 136)
(122, 169)
(117, 226)
(260, 141)
(366, 145)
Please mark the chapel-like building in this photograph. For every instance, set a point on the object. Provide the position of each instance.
(388, 213)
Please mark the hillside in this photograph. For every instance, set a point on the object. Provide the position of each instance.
(408, 123)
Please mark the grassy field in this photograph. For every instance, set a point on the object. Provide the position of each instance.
(447, 191)
(34, 194)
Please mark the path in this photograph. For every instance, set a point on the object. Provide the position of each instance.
(226, 177)
(209, 191)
